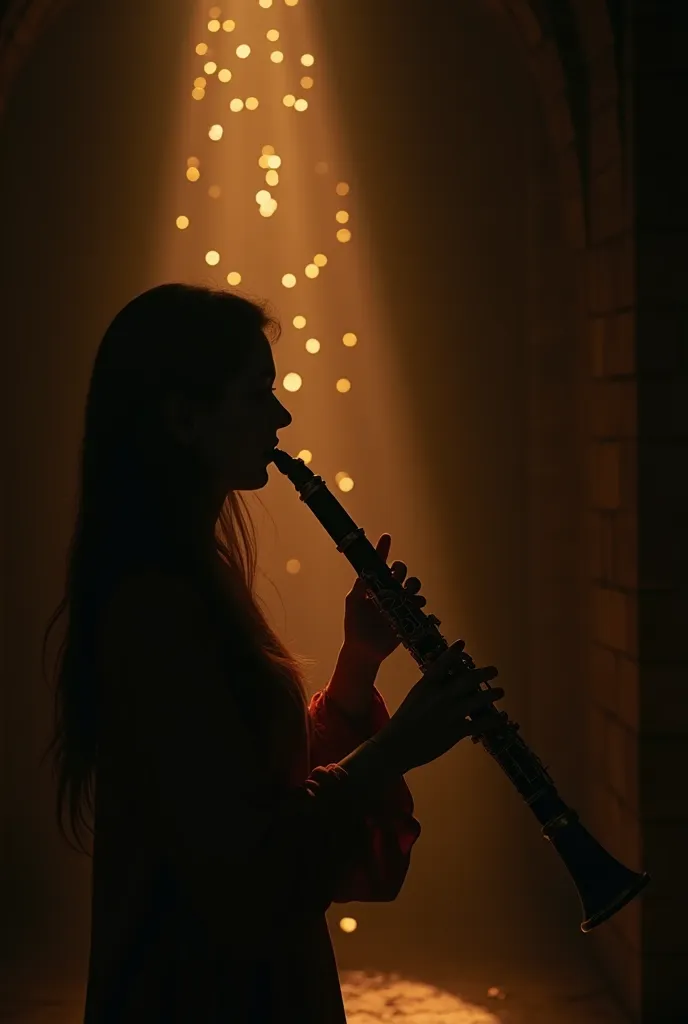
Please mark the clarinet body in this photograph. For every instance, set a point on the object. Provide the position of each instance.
(604, 884)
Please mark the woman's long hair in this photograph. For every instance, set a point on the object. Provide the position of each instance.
(190, 340)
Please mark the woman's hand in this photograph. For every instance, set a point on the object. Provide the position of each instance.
(367, 634)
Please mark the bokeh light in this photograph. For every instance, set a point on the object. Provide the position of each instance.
(306, 82)
(212, 258)
(312, 270)
(214, 25)
(289, 280)
(276, 56)
(289, 100)
(202, 49)
(349, 339)
(251, 103)
(342, 188)
(236, 105)
(265, 3)
(292, 382)
(301, 104)
(272, 178)
(346, 483)
(274, 161)
(299, 322)
(216, 132)
(243, 51)
(348, 924)
(343, 235)
(224, 75)
(193, 161)
(341, 216)
(193, 173)
(308, 60)
(214, 191)
(293, 566)
(210, 68)
(229, 25)
(312, 346)
(234, 278)
(305, 455)
(182, 222)
(197, 93)
(272, 35)
(343, 385)
(320, 259)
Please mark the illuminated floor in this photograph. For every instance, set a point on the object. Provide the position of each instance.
(383, 998)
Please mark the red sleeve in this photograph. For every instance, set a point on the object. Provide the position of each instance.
(388, 832)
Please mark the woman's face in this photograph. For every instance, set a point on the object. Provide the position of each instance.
(235, 438)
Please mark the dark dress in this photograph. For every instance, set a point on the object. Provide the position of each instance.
(237, 934)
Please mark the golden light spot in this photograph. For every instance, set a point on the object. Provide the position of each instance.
(299, 322)
(292, 382)
(341, 216)
(306, 82)
(265, 3)
(289, 280)
(348, 924)
(193, 174)
(216, 132)
(305, 455)
(274, 161)
(308, 60)
(346, 484)
(200, 82)
(343, 235)
(320, 259)
(342, 188)
(289, 100)
(301, 105)
(210, 68)
(263, 162)
(182, 222)
(339, 476)
(202, 49)
(198, 94)
(293, 566)
(312, 270)
(252, 103)
(291, 3)
(214, 25)
(268, 209)
(214, 12)
(193, 161)
(243, 51)
(268, 150)
(321, 167)
(263, 196)
(312, 346)
(349, 339)
(214, 191)
(212, 258)
(276, 56)
(224, 75)
(343, 385)
(229, 25)
(272, 35)
(234, 277)
(272, 178)
(236, 105)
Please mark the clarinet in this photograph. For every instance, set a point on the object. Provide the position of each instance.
(604, 885)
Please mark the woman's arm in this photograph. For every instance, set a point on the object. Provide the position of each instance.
(247, 861)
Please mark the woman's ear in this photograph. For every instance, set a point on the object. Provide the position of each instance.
(181, 418)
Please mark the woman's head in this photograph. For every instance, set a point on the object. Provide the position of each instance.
(181, 409)
(180, 415)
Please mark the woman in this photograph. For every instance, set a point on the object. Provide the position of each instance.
(227, 810)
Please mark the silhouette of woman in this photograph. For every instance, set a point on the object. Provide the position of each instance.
(227, 811)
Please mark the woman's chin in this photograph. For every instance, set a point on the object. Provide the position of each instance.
(252, 481)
